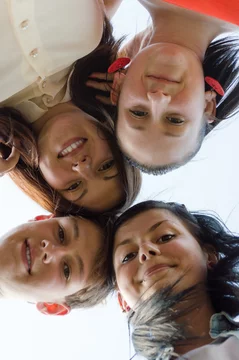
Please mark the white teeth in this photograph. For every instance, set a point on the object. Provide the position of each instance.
(72, 147)
(28, 256)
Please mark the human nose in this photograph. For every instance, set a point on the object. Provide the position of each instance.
(159, 97)
(50, 251)
(84, 167)
(147, 251)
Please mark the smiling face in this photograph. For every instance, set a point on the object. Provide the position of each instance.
(76, 160)
(153, 250)
(48, 260)
(162, 104)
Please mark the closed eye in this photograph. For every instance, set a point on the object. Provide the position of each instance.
(138, 113)
(129, 257)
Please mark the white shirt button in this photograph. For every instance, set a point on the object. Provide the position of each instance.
(24, 25)
(34, 53)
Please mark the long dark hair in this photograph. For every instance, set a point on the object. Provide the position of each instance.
(221, 63)
(155, 315)
(29, 178)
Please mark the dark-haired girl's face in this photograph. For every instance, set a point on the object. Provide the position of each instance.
(162, 105)
(153, 250)
(76, 160)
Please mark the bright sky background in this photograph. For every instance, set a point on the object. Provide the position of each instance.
(209, 182)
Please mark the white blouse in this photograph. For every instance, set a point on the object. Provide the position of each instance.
(39, 42)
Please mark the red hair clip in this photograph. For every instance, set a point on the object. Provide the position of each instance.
(215, 85)
(118, 64)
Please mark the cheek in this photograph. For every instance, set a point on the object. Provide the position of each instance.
(102, 147)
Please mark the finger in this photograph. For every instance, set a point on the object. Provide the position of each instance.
(105, 100)
(99, 85)
(102, 76)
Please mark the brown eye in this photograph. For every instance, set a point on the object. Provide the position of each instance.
(66, 271)
(138, 113)
(129, 257)
(165, 238)
(107, 165)
(74, 186)
(61, 235)
(175, 121)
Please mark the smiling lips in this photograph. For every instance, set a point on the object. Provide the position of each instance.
(72, 146)
(27, 256)
(154, 269)
(163, 79)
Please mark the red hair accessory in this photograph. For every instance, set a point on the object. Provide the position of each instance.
(52, 308)
(43, 217)
(118, 64)
(215, 85)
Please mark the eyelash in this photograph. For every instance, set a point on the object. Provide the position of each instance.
(126, 261)
(129, 257)
(62, 239)
(61, 234)
(74, 186)
(107, 165)
(168, 237)
(177, 121)
(138, 113)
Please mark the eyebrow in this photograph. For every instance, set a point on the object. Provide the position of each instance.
(79, 260)
(110, 177)
(141, 128)
(80, 265)
(150, 229)
(75, 228)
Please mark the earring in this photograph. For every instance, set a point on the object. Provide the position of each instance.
(215, 85)
(118, 64)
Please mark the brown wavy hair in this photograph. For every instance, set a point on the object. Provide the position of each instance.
(26, 174)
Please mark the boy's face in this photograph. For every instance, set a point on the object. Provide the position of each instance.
(48, 260)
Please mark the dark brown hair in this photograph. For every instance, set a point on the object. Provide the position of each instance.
(154, 321)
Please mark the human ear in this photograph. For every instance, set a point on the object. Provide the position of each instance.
(211, 256)
(47, 308)
(122, 303)
(116, 87)
(8, 162)
(210, 106)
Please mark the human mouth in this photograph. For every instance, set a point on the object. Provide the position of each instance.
(72, 145)
(27, 256)
(154, 269)
(163, 79)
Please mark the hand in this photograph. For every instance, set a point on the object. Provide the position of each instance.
(8, 163)
(102, 82)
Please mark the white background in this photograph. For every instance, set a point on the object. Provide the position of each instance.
(209, 182)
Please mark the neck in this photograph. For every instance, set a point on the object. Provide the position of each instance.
(197, 325)
(195, 31)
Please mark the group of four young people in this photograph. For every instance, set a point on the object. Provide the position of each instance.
(58, 144)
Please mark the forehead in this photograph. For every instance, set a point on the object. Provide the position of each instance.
(139, 224)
